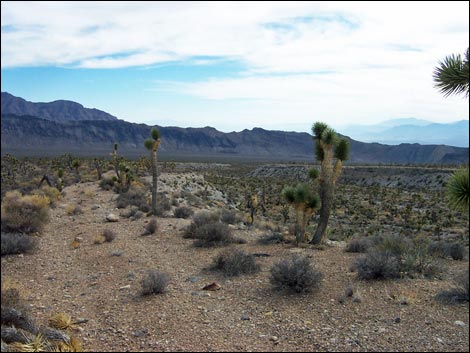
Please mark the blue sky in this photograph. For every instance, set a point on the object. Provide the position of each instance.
(236, 65)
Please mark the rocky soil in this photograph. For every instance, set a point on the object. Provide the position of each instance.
(102, 282)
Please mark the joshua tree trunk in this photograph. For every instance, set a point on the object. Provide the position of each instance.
(326, 195)
(154, 180)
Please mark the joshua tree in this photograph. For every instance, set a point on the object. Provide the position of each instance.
(331, 152)
(452, 75)
(304, 203)
(458, 190)
(152, 145)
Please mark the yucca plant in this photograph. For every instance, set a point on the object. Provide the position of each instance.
(331, 151)
(152, 145)
(61, 321)
(458, 190)
(305, 204)
(37, 344)
(452, 75)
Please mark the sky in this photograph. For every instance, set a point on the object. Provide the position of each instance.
(237, 65)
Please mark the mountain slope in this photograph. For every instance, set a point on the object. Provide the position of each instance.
(28, 135)
(60, 110)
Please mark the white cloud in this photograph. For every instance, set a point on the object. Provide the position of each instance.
(344, 60)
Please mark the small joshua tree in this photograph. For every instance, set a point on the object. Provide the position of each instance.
(304, 203)
(152, 145)
(331, 152)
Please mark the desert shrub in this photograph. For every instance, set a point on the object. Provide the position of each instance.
(396, 244)
(235, 262)
(214, 234)
(183, 212)
(200, 219)
(297, 275)
(272, 238)
(73, 210)
(358, 245)
(133, 197)
(107, 183)
(15, 311)
(13, 243)
(24, 214)
(109, 235)
(155, 282)
(151, 227)
(377, 264)
(163, 204)
(458, 294)
(229, 217)
(457, 251)
(50, 192)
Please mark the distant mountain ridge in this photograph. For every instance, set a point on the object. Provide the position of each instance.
(411, 130)
(60, 110)
(31, 135)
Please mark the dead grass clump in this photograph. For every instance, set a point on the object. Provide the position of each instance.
(61, 321)
(24, 214)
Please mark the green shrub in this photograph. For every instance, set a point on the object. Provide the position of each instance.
(133, 197)
(296, 275)
(235, 262)
(229, 217)
(272, 238)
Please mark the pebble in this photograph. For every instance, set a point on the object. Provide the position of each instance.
(459, 323)
(112, 217)
(245, 318)
(274, 338)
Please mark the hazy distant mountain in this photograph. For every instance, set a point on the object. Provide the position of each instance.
(60, 110)
(412, 130)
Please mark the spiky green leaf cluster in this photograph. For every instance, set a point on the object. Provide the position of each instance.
(148, 143)
(342, 150)
(301, 196)
(452, 75)
(155, 133)
(458, 190)
(318, 128)
(313, 173)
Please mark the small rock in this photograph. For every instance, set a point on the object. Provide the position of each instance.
(274, 338)
(397, 320)
(126, 287)
(112, 217)
(459, 323)
(94, 207)
(245, 318)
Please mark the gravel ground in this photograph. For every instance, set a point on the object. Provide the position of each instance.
(102, 283)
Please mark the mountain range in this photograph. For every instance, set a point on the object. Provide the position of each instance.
(411, 130)
(63, 126)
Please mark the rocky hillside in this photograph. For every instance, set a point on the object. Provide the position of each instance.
(60, 110)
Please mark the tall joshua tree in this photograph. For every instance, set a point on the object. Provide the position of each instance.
(331, 152)
(152, 145)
